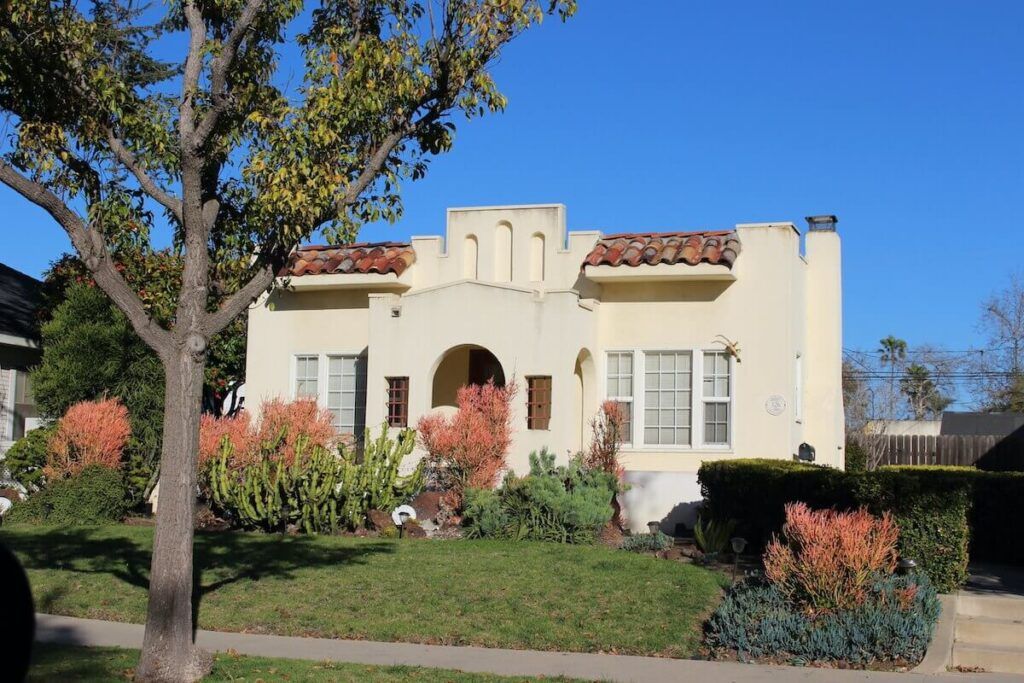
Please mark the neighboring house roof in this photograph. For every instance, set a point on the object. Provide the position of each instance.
(989, 424)
(20, 296)
(636, 248)
(362, 257)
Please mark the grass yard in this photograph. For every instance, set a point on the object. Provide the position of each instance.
(66, 663)
(540, 596)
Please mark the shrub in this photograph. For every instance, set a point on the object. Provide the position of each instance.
(95, 495)
(90, 433)
(370, 481)
(856, 457)
(825, 559)
(606, 440)
(647, 543)
(25, 459)
(238, 431)
(894, 622)
(566, 504)
(929, 505)
(468, 449)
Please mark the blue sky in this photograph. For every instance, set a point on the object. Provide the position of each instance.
(904, 119)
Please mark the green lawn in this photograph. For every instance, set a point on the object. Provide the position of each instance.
(489, 593)
(65, 663)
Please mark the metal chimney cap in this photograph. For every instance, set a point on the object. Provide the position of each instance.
(822, 222)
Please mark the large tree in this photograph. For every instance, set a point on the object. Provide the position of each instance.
(998, 371)
(241, 163)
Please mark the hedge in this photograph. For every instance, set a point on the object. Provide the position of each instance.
(932, 506)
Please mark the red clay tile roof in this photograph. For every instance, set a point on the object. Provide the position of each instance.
(362, 257)
(634, 248)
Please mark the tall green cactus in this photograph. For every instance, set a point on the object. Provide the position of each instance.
(371, 480)
(320, 490)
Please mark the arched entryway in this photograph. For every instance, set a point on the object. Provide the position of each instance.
(585, 403)
(462, 365)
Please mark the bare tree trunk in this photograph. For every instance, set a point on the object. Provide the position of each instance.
(168, 650)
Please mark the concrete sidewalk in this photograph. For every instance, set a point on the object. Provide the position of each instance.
(69, 630)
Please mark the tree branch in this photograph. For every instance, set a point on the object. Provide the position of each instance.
(219, 71)
(128, 160)
(193, 68)
(92, 249)
(237, 302)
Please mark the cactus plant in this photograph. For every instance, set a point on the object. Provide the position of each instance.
(319, 491)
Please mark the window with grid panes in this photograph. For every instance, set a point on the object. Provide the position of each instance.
(620, 388)
(715, 394)
(538, 402)
(398, 401)
(668, 377)
(307, 376)
(346, 393)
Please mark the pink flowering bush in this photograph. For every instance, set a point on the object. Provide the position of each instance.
(468, 449)
(90, 433)
(282, 424)
(826, 560)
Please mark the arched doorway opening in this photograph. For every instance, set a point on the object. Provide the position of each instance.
(462, 365)
(585, 404)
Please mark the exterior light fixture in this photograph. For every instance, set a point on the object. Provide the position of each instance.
(906, 565)
(403, 516)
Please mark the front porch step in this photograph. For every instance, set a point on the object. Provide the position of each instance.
(1010, 608)
(1008, 660)
(986, 631)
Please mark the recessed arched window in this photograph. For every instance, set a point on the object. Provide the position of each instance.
(470, 255)
(537, 257)
(503, 252)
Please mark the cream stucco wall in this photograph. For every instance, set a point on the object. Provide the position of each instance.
(775, 305)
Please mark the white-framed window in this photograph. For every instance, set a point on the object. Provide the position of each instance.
(346, 393)
(668, 409)
(676, 399)
(307, 376)
(620, 388)
(716, 393)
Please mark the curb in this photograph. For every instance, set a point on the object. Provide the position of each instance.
(940, 652)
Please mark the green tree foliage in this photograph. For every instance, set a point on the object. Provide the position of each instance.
(24, 461)
(90, 350)
(924, 398)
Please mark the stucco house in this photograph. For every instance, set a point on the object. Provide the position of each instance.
(719, 344)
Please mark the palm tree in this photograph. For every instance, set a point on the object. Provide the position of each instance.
(894, 353)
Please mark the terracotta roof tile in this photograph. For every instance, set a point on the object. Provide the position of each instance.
(362, 257)
(720, 247)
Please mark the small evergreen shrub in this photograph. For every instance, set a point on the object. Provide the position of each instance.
(96, 495)
(25, 459)
(856, 457)
(565, 504)
(894, 623)
(713, 535)
(647, 543)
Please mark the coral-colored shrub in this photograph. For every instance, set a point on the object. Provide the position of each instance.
(236, 429)
(827, 559)
(90, 433)
(283, 423)
(468, 449)
(280, 427)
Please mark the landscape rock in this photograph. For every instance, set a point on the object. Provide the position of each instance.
(378, 520)
(427, 505)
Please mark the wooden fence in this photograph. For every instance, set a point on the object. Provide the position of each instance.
(984, 451)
